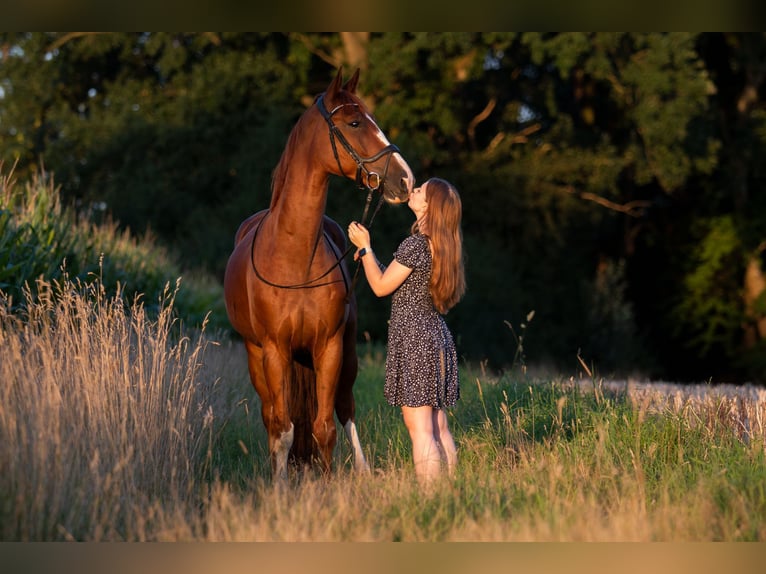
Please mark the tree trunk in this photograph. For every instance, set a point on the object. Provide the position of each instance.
(755, 285)
(355, 44)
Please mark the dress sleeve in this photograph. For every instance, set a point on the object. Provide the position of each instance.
(411, 252)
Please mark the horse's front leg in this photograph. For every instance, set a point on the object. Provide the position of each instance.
(327, 367)
(276, 418)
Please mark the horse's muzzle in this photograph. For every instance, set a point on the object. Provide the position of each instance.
(399, 181)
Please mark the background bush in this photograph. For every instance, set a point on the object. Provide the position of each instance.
(40, 238)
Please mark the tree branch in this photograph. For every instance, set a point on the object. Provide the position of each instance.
(480, 117)
(355, 44)
(634, 208)
(519, 137)
(61, 40)
(306, 41)
(522, 136)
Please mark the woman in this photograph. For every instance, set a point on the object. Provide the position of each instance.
(426, 279)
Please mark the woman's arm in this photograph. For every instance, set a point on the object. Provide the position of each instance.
(382, 281)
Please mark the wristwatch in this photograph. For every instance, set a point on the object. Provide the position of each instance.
(363, 251)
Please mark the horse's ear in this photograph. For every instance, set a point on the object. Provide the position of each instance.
(352, 82)
(336, 84)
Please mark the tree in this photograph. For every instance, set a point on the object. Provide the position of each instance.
(176, 133)
(611, 181)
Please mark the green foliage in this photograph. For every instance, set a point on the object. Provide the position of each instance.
(40, 239)
(569, 149)
(638, 97)
(173, 132)
(705, 311)
(613, 341)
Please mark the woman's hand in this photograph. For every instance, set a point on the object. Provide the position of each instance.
(358, 235)
(381, 283)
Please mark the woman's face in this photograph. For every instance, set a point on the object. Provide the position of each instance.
(417, 200)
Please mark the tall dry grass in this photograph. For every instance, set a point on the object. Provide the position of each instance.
(102, 415)
(116, 425)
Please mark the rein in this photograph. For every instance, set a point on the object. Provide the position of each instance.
(389, 150)
(311, 283)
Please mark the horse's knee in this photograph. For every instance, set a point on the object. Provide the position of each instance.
(325, 437)
(280, 434)
(324, 433)
(279, 446)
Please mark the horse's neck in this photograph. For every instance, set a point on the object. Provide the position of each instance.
(297, 214)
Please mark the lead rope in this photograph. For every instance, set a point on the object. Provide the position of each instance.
(369, 225)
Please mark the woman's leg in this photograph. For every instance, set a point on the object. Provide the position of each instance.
(425, 450)
(444, 439)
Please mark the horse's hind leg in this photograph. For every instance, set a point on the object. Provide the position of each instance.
(272, 410)
(345, 406)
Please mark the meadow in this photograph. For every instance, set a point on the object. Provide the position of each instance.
(119, 425)
(126, 414)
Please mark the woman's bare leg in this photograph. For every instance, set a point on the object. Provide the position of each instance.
(444, 439)
(425, 450)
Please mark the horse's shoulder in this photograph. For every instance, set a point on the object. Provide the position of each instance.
(248, 224)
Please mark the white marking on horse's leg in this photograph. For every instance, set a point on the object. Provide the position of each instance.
(281, 449)
(360, 463)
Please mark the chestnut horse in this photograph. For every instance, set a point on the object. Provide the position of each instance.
(287, 287)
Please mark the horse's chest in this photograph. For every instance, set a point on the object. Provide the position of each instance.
(299, 315)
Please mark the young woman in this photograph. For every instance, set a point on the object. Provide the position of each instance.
(426, 278)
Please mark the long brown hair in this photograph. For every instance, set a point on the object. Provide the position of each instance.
(442, 225)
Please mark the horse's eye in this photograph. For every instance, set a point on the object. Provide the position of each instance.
(355, 124)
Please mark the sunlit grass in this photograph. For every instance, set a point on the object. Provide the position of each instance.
(118, 425)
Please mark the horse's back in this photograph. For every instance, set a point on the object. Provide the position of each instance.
(334, 231)
(236, 277)
(330, 226)
(249, 224)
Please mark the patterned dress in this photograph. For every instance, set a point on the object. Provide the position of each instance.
(421, 360)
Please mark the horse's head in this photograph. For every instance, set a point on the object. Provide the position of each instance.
(359, 146)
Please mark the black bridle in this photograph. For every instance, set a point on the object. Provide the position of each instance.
(361, 162)
(365, 183)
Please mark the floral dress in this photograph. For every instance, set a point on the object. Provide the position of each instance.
(421, 360)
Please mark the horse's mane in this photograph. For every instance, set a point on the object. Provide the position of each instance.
(296, 136)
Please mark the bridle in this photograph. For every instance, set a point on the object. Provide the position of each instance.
(361, 162)
(365, 183)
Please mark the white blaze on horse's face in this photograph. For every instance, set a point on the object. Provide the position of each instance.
(407, 177)
(381, 136)
(399, 179)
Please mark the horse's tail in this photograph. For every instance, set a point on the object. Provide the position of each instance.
(303, 411)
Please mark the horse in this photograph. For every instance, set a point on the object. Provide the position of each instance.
(287, 288)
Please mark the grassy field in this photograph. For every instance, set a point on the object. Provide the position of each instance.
(116, 425)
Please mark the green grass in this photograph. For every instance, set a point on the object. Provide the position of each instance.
(119, 421)
(122, 426)
(550, 460)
